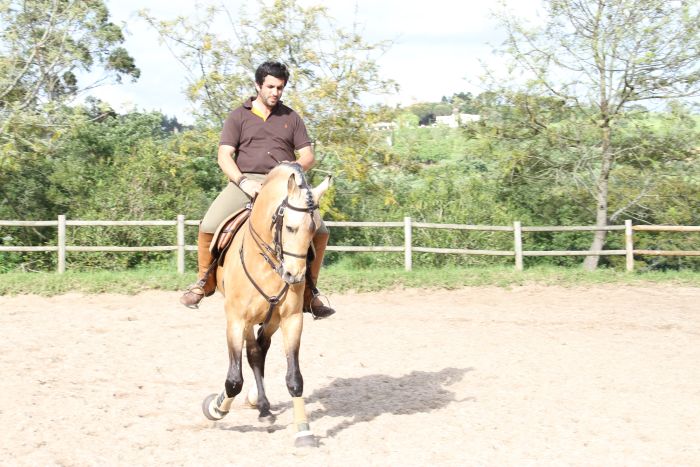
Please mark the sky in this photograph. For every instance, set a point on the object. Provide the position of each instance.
(438, 47)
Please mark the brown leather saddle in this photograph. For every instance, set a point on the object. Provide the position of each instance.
(223, 236)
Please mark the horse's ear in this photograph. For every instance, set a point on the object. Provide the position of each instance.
(321, 188)
(292, 185)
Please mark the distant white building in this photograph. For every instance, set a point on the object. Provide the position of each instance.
(385, 126)
(454, 120)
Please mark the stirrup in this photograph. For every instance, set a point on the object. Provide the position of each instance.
(321, 311)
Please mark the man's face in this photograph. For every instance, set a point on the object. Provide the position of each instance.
(270, 92)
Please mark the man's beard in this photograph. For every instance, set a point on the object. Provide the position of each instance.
(270, 101)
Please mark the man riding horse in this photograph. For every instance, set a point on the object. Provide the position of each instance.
(256, 137)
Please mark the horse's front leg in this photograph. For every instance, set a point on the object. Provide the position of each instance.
(257, 352)
(291, 331)
(216, 407)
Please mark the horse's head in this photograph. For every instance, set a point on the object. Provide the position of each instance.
(292, 207)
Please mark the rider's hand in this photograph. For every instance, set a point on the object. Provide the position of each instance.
(250, 187)
(294, 163)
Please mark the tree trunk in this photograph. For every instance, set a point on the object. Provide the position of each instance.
(601, 215)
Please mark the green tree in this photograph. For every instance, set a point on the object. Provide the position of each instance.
(540, 165)
(427, 111)
(463, 101)
(94, 164)
(602, 59)
(44, 46)
(331, 70)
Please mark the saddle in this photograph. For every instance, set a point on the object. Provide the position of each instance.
(223, 236)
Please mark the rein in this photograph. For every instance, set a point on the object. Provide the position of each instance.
(273, 253)
(272, 300)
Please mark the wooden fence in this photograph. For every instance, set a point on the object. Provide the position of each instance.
(407, 248)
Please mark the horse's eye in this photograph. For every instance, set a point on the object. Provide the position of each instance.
(291, 229)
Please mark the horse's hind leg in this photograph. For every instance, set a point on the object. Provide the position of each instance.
(291, 331)
(216, 407)
(257, 352)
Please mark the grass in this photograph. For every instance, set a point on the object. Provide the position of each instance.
(342, 279)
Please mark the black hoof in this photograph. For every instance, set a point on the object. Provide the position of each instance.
(306, 441)
(211, 412)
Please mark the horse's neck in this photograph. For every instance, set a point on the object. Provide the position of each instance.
(262, 213)
(260, 221)
(271, 196)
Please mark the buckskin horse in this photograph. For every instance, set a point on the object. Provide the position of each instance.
(262, 278)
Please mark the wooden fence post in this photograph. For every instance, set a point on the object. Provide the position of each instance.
(61, 243)
(518, 245)
(629, 246)
(180, 243)
(408, 241)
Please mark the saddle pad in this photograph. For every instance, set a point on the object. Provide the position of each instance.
(223, 236)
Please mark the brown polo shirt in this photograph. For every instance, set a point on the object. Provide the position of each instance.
(262, 144)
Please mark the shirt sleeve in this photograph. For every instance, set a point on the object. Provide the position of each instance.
(231, 132)
(301, 137)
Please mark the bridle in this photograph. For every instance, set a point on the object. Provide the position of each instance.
(274, 254)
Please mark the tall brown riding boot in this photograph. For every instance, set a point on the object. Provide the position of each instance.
(312, 304)
(206, 278)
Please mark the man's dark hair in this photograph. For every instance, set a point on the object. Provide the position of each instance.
(276, 69)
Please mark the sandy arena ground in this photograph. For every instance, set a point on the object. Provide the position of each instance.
(531, 375)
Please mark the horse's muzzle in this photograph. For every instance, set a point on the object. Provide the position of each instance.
(292, 279)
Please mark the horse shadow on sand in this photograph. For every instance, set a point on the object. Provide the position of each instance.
(362, 399)
(365, 398)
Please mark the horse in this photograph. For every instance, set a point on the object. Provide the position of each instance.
(262, 279)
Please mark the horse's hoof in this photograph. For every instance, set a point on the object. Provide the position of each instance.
(305, 441)
(210, 410)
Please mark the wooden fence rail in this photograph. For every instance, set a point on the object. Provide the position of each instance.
(61, 248)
